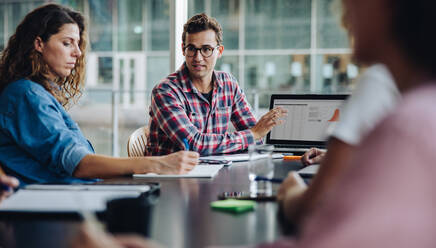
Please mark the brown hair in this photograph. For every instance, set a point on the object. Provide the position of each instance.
(202, 22)
(20, 59)
(412, 27)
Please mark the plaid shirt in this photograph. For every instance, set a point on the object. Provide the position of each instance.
(179, 111)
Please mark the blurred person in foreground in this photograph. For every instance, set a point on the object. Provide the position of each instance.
(374, 98)
(41, 72)
(387, 195)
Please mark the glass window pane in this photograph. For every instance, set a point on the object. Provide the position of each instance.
(228, 64)
(17, 11)
(272, 73)
(330, 32)
(157, 25)
(92, 113)
(130, 28)
(100, 24)
(227, 14)
(105, 71)
(335, 73)
(280, 24)
(74, 4)
(157, 69)
(195, 7)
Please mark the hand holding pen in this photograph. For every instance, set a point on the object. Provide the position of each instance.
(7, 185)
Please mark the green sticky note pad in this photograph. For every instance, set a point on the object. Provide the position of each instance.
(234, 206)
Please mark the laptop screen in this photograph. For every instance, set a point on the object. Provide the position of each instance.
(307, 120)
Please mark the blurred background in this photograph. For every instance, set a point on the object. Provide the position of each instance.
(271, 46)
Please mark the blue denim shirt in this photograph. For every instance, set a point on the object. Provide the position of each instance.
(39, 142)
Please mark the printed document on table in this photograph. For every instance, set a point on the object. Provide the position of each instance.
(199, 171)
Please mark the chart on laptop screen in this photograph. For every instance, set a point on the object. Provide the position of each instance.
(306, 119)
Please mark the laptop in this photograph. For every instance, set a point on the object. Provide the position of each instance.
(308, 119)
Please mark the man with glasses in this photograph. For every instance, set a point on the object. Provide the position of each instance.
(191, 109)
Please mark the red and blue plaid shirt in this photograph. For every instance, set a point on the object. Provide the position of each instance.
(179, 111)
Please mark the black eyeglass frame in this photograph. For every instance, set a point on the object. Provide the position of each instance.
(199, 49)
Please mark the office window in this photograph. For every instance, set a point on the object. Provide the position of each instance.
(101, 14)
(330, 34)
(130, 25)
(74, 4)
(228, 64)
(158, 25)
(280, 24)
(157, 69)
(227, 14)
(105, 71)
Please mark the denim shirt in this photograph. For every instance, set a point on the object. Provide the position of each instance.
(39, 142)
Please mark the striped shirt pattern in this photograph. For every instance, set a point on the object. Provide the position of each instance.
(179, 111)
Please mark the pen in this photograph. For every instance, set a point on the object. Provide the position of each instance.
(292, 157)
(273, 180)
(185, 141)
(3, 186)
(213, 161)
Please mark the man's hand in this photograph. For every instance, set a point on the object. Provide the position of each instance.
(267, 122)
(7, 182)
(178, 163)
(313, 156)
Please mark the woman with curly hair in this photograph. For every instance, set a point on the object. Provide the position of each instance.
(41, 72)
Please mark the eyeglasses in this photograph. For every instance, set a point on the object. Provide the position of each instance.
(206, 51)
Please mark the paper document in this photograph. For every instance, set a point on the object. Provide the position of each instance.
(61, 200)
(100, 187)
(239, 157)
(310, 170)
(199, 171)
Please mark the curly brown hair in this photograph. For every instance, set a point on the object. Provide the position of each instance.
(20, 59)
(202, 22)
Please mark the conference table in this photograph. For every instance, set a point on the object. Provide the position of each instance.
(181, 216)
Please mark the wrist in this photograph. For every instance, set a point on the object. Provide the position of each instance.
(148, 165)
(255, 134)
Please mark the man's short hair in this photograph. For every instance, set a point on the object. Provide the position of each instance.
(202, 22)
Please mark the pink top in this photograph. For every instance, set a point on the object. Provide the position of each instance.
(388, 196)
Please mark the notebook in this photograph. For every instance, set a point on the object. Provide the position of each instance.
(307, 121)
(199, 171)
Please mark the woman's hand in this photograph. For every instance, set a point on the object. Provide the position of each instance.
(178, 163)
(7, 184)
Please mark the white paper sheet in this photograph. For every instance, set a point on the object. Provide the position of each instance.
(199, 171)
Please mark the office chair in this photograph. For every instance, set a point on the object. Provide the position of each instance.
(137, 142)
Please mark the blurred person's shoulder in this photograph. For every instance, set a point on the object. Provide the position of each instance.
(415, 115)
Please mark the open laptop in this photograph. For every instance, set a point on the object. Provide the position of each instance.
(307, 121)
